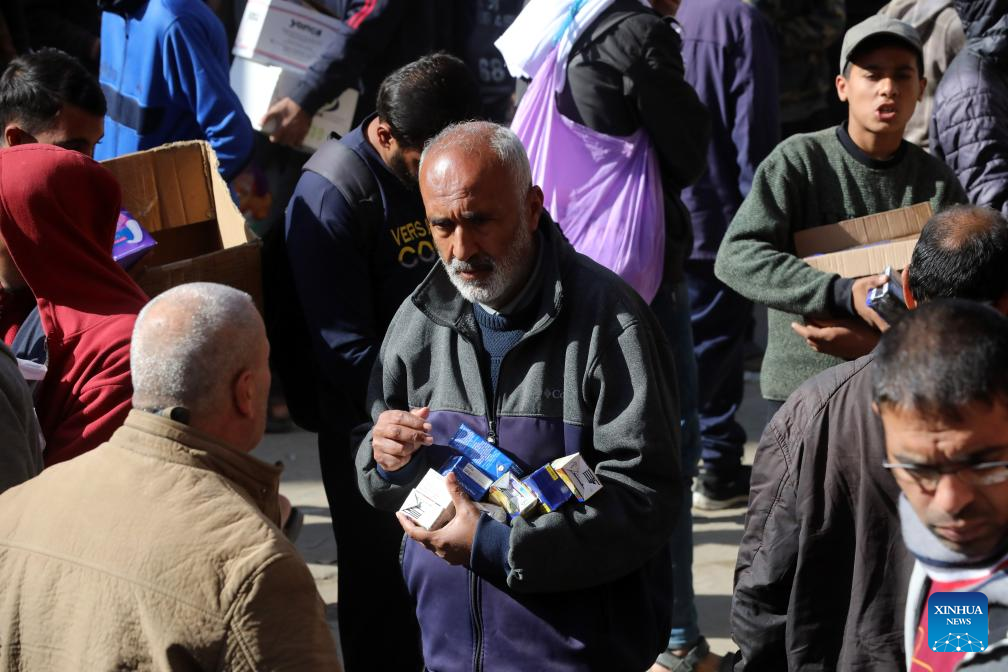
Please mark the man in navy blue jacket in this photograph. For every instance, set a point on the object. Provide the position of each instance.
(353, 264)
(730, 60)
(164, 71)
(375, 37)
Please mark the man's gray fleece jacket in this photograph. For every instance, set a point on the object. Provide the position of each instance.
(586, 587)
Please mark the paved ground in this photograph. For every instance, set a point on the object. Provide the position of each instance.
(716, 535)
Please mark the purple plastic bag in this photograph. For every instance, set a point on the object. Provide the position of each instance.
(604, 191)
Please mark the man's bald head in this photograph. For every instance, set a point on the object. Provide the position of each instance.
(962, 253)
(484, 143)
(189, 344)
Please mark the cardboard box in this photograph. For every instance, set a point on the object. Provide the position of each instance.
(259, 85)
(864, 246)
(176, 193)
(578, 476)
(429, 504)
(287, 34)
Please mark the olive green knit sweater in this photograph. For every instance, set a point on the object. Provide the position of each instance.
(810, 180)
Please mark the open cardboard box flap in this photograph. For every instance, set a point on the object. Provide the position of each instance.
(866, 245)
(176, 192)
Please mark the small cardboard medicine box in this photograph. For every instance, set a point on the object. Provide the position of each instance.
(864, 246)
(513, 496)
(472, 480)
(578, 476)
(482, 453)
(287, 34)
(548, 487)
(429, 504)
(178, 196)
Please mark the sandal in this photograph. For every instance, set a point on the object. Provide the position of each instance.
(685, 663)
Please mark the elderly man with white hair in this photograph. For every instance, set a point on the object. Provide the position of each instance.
(545, 354)
(161, 549)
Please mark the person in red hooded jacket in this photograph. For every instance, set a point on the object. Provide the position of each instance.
(58, 211)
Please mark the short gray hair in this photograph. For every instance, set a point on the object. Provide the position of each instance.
(473, 136)
(189, 343)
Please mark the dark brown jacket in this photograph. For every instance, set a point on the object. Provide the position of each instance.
(822, 572)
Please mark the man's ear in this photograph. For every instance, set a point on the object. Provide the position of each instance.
(14, 135)
(243, 394)
(923, 89)
(908, 297)
(875, 409)
(841, 88)
(534, 204)
(384, 133)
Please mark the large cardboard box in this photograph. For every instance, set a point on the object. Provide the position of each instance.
(176, 193)
(287, 34)
(864, 246)
(259, 85)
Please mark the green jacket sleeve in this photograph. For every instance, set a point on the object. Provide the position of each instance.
(757, 257)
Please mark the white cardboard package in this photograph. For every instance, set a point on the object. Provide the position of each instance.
(259, 85)
(287, 34)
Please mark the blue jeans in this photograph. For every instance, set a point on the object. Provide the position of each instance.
(671, 306)
(719, 317)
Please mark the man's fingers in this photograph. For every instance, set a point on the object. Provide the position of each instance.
(801, 329)
(415, 532)
(458, 495)
(404, 418)
(393, 448)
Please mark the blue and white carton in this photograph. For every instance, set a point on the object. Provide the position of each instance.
(482, 453)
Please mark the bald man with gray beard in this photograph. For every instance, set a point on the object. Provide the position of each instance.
(546, 354)
(161, 549)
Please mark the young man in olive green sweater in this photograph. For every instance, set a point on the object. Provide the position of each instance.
(859, 168)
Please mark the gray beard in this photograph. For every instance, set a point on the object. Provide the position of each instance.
(506, 275)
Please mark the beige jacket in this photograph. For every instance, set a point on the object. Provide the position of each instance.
(158, 550)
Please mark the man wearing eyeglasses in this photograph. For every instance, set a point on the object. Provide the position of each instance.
(941, 389)
(821, 503)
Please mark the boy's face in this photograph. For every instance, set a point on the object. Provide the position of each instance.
(882, 89)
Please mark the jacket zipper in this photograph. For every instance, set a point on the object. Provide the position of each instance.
(476, 616)
(475, 599)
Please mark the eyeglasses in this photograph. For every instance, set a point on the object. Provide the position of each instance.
(928, 476)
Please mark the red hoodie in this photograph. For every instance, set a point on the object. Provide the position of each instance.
(58, 211)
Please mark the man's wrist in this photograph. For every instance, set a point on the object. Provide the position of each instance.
(840, 298)
(403, 475)
(490, 547)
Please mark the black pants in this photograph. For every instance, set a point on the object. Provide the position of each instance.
(377, 618)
